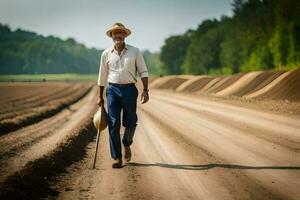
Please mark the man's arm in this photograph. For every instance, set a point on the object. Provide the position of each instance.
(145, 82)
(143, 73)
(102, 78)
(100, 96)
(145, 93)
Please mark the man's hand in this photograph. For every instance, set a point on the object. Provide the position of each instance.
(144, 97)
(100, 101)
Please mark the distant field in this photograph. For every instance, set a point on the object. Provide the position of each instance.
(48, 77)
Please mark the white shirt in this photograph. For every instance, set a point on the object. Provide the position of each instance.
(121, 69)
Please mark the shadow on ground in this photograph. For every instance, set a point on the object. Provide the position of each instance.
(211, 166)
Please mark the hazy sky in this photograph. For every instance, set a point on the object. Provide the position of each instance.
(151, 21)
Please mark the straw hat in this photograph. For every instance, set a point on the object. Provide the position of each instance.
(100, 118)
(118, 26)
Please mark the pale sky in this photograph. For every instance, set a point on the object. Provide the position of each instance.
(151, 21)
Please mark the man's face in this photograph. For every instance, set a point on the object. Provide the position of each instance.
(118, 36)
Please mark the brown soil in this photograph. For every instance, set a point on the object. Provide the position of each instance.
(225, 82)
(242, 84)
(169, 82)
(186, 146)
(267, 85)
(18, 112)
(32, 156)
(11, 92)
(285, 86)
(194, 84)
(259, 82)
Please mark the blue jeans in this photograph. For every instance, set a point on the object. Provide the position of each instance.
(118, 98)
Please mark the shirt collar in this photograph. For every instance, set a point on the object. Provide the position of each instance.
(112, 49)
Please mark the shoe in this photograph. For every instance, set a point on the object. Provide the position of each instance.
(127, 156)
(118, 163)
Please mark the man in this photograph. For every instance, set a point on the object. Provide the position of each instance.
(119, 66)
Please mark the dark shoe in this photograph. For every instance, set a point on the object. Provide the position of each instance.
(127, 156)
(118, 163)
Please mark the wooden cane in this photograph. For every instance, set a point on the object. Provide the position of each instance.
(97, 143)
(98, 137)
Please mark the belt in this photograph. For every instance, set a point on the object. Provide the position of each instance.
(122, 85)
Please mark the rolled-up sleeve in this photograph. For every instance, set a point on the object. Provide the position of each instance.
(103, 71)
(141, 65)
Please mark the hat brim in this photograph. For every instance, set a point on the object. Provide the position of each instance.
(109, 31)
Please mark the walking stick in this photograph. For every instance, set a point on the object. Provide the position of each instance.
(97, 143)
(98, 137)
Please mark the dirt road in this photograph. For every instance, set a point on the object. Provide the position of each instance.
(193, 148)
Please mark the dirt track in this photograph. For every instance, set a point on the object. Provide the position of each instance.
(195, 148)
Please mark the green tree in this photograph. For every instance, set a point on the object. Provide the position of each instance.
(26, 52)
(203, 51)
(173, 52)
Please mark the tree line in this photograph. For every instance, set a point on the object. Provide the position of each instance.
(261, 35)
(24, 52)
